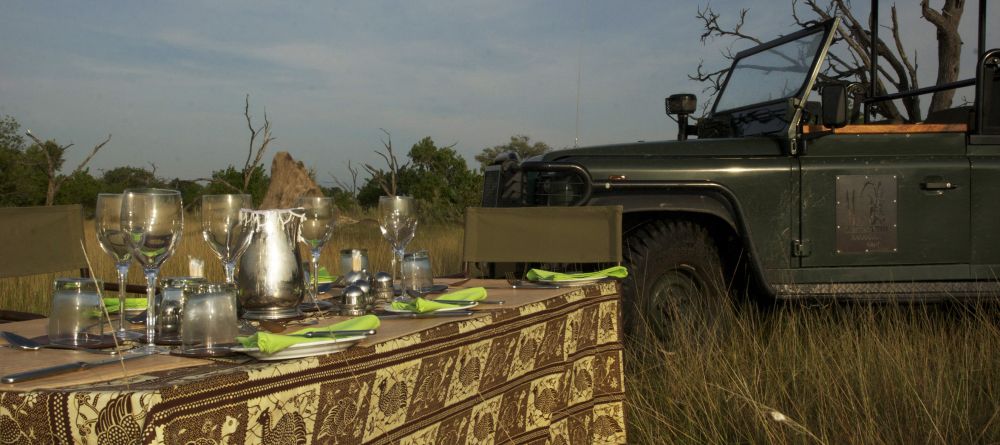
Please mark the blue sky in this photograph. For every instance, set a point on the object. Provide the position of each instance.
(168, 79)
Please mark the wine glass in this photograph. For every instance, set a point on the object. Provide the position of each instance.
(221, 228)
(153, 221)
(397, 219)
(315, 230)
(107, 222)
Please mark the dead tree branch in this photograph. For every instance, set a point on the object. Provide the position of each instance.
(54, 158)
(389, 185)
(264, 132)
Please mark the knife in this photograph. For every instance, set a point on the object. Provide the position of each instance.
(316, 334)
(62, 369)
(428, 314)
(463, 302)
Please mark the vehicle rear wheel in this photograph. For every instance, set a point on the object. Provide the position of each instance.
(675, 281)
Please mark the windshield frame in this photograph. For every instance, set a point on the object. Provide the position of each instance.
(827, 28)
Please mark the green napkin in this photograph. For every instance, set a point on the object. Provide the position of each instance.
(324, 276)
(422, 305)
(131, 304)
(269, 343)
(538, 274)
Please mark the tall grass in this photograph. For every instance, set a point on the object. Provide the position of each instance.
(837, 374)
(442, 241)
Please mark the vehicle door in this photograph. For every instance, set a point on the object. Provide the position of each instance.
(892, 198)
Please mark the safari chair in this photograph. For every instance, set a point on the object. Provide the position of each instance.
(38, 240)
(508, 239)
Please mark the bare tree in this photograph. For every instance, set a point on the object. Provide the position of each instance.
(386, 180)
(895, 67)
(53, 159)
(255, 152)
(353, 187)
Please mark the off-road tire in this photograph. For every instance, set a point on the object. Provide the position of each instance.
(675, 281)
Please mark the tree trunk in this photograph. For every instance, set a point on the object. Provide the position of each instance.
(949, 47)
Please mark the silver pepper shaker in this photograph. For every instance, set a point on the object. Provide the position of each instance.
(354, 302)
(382, 291)
(367, 289)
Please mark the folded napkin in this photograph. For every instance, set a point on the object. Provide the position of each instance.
(324, 276)
(270, 343)
(131, 304)
(539, 274)
(421, 305)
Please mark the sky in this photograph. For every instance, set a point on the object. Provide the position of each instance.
(168, 79)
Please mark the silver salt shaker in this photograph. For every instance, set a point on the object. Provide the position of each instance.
(382, 292)
(353, 302)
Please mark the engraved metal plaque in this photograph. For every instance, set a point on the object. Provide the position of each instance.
(866, 213)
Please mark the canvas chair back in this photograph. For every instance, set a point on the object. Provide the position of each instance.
(543, 235)
(36, 240)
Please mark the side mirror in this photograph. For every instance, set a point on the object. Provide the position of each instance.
(834, 105)
(682, 105)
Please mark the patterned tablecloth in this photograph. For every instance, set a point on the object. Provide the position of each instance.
(542, 371)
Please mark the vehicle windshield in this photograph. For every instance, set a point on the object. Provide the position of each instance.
(772, 74)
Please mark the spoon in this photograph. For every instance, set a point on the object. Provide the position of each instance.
(27, 344)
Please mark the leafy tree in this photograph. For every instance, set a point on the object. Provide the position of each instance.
(190, 191)
(256, 186)
(19, 181)
(81, 188)
(437, 177)
(519, 144)
(118, 179)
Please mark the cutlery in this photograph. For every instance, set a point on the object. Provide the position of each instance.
(416, 294)
(463, 302)
(317, 334)
(26, 344)
(516, 283)
(62, 369)
(428, 314)
(459, 282)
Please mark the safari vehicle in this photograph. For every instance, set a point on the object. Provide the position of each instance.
(802, 199)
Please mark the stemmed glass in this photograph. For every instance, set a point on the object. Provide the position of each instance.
(221, 228)
(397, 219)
(153, 220)
(315, 230)
(107, 222)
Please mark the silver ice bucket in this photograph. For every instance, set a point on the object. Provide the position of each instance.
(270, 274)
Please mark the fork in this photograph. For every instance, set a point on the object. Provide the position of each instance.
(516, 283)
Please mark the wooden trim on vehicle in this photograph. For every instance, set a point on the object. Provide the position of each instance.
(888, 128)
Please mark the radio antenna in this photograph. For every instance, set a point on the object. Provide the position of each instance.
(579, 76)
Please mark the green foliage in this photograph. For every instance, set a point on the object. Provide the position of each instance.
(118, 179)
(190, 192)
(230, 180)
(519, 144)
(23, 181)
(81, 188)
(437, 177)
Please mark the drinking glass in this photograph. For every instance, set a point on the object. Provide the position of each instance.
(316, 228)
(416, 270)
(153, 220)
(107, 222)
(75, 319)
(209, 325)
(222, 228)
(397, 219)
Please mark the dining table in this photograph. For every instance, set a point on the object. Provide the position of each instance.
(543, 367)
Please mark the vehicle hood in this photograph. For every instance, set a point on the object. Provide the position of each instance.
(707, 148)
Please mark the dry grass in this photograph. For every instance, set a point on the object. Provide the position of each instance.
(838, 374)
(443, 242)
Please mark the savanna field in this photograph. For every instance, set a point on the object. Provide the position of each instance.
(782, 373)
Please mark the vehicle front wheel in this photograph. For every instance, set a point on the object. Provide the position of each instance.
(675, 281)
